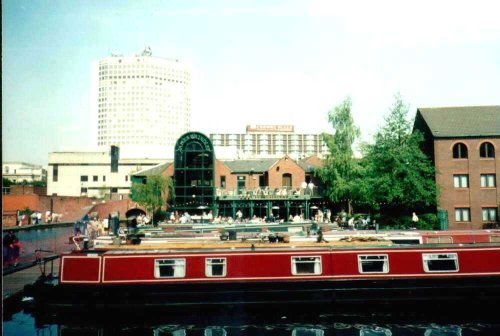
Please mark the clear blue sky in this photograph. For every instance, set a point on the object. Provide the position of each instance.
(253, 62)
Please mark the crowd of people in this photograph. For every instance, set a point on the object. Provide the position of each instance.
(36, 218)
(266, 192)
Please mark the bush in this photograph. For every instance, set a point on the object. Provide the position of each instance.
(427, 221)
(160, 215)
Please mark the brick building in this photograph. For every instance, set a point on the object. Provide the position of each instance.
(464, 143)
(255, 186)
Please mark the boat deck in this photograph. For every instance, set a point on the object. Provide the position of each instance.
(249, 244)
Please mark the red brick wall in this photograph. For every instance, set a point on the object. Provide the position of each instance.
(169, 171)
(122, 206)
(17, 189)
(286, 166)
(71, 208)
(473, 197)
(222, 170)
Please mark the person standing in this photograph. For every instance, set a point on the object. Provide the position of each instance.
(47, 216)
(7, 241)
(33, 218)
(38, 217)
(414, 219)
(16, 250)
(77, 238)
(19, 218)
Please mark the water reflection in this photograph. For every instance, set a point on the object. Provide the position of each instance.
(22, 325)
(374, 331)
(234, 322)
(444, 331)
(301, 331)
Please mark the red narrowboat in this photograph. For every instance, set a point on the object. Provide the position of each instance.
(358, 272)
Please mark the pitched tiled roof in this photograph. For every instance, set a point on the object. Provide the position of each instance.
(247, 166)
(156, 170)
(462, 121)
(310, 164)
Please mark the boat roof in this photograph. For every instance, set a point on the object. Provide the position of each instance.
(245, 245)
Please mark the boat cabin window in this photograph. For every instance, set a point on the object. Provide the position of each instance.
(440, 262)
(215, 267)
(306, 265)
(412, 241)
(373, 263)
(495, 239)
(440, 240)
(170, 268)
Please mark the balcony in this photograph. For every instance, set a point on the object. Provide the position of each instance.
(266, 193)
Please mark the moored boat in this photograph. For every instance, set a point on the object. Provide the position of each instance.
(346, 271)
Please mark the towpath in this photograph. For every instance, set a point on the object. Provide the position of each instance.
(24, 274)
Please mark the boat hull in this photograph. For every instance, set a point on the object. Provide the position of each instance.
(332, 294)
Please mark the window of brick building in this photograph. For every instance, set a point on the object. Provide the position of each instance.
(460, 151)
(287, 180)
(488, 180)
(462, 214)
(490, 214)
(486, 150)
(461, 181)
(223, 181)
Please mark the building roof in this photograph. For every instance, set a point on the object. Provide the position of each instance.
(310, 164)
(462, 121)
(247, 166)
(156, 170)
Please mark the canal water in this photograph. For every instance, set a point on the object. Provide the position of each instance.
(230, 322)
(51, 240)
(20, 319)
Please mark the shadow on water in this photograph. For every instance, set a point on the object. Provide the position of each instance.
(220, 321)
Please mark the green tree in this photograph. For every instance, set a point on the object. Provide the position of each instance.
(341, 170)
(6, 182)
(398, 176)
(153, 194)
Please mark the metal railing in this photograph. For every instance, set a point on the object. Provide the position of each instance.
(267, 193)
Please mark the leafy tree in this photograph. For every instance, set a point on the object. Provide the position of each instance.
(42, 183)
(153, 194)
(341, 170)
(6, 182)
(399, 177)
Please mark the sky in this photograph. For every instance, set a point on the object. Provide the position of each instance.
(253, 62)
